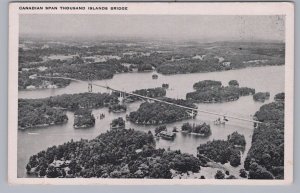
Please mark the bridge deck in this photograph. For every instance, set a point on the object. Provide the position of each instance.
(158, 100)
(181, 106)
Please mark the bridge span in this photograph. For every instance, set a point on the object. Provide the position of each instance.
(156, 100)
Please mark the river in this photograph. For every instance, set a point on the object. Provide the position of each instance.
(270, 79)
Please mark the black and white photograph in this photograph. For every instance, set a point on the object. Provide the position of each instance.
(150, 96)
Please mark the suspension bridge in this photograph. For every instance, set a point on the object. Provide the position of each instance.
(123, 94)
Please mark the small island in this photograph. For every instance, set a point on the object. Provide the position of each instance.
(118, 123)
(156, 113)
(210, 91)
(150, 92)
(117, 108)
(154, 76)
(261, 96)
(83, 118)
(165, 85)
(202, 130)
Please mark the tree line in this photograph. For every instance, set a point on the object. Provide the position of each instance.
(114, 154)
(265, 158)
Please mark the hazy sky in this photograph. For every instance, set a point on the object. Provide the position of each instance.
(212, 28)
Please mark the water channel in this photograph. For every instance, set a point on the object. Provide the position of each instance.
(270, 79)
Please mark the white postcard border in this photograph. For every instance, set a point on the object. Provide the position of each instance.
(254, 8)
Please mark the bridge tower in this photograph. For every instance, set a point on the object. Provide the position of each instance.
(90, 86)
(192, 113)
(121, 97)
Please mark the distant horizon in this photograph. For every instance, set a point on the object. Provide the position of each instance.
(26, 37)
(172, 28)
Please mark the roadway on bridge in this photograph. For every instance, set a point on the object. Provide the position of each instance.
(158, 100)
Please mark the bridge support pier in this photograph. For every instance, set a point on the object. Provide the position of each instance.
(193, 114)
(90, 87)
(121, 97)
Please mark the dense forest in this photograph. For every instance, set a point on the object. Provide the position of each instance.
(101, 61)
(74, 101)
(160, 113)
(74, 67)
(265, 158)
(237, 139)
(50, 111)
(114, 154)
(36, 114)
(160, 129)
(210, 91)
(223, 150)
(117, 108)
(117, 123)
(151, 92)
(222, 56)
(207, 84)
(25, 81)
(83, 118)
(200, 129)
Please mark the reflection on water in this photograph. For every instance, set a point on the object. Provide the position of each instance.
(269, 79)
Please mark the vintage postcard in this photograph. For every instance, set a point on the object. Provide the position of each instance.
(151, 93)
